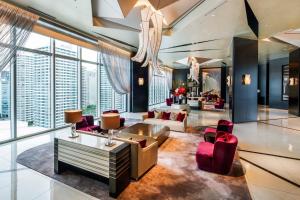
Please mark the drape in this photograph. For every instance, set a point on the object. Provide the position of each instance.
(15, 27)
(117, 65)
(169, 76)
(150, 73)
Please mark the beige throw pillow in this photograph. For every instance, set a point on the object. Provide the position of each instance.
(157, 114)
(173, 116)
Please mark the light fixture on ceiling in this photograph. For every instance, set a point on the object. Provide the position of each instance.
(149, 37)
(213, 15)
(266, 40)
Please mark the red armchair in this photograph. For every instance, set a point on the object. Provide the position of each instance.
(217, 157)
(219, 104)
(87, 124)
(122, 120)
(223, 125)
(169, 101)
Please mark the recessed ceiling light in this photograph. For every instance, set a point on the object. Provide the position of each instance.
(266, 40)
(213, 15)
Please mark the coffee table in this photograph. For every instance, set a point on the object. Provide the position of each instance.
(158, 132)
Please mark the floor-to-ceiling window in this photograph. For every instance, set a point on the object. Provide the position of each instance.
(48, 77)
(33, 85)
(66, 79)
(5, 122)
(158, 91)
(109, 99)
(106, 91)
(89, 82)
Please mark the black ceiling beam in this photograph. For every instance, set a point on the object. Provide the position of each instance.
(183, 51)
(115, 40)
(189, 44)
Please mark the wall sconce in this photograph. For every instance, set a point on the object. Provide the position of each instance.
(141, 81)
(246, 79)
(293, 81)
(228, 81)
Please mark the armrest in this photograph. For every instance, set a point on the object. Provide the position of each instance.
(145, 116)
(185, 122)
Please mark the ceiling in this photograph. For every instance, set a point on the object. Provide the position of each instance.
(201, 28)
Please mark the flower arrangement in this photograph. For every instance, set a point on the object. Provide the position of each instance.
(180, 91)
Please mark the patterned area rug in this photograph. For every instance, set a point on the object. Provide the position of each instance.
(175, 176)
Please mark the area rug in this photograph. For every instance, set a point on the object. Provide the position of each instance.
(175, 176)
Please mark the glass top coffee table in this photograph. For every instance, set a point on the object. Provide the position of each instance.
(158, 132)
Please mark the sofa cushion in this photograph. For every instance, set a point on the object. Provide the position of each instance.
(151, 114)
(180, 117)
(165, 115)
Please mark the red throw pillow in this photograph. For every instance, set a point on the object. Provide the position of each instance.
(151, 114)
(142, 143)
(180, 117)
(166, 115)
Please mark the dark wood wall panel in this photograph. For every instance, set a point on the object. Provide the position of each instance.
(275, 83)
(245, 61)
(223, 83)
(139, 94)
(294, 72)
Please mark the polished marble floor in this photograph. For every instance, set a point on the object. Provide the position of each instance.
(279, 134)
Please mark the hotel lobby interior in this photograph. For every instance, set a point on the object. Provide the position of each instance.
(149, 99)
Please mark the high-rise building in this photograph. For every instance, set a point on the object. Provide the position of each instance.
(33, 87)
(25, 84)
(89, 90)
(106, 98)
(66, 79)
(4, 94)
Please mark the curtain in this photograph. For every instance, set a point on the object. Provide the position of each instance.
(169, 76)
(150, 73)
(15, 27)
(117, 65)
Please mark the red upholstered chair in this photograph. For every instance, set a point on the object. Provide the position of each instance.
(219, 104)
(223, 125)
(169, 101)
(217, 157)
(87, 124)
(122, 120)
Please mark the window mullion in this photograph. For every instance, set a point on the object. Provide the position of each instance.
(13, 89)
(79, 81)
(52, 83)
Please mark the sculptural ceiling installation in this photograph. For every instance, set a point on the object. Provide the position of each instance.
(151, 18)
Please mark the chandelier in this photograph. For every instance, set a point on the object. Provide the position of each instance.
(149, 38)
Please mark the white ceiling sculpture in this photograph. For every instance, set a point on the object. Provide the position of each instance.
(194, 69)
(149, 38)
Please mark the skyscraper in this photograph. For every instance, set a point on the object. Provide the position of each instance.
(33, 87)
(4, 94)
